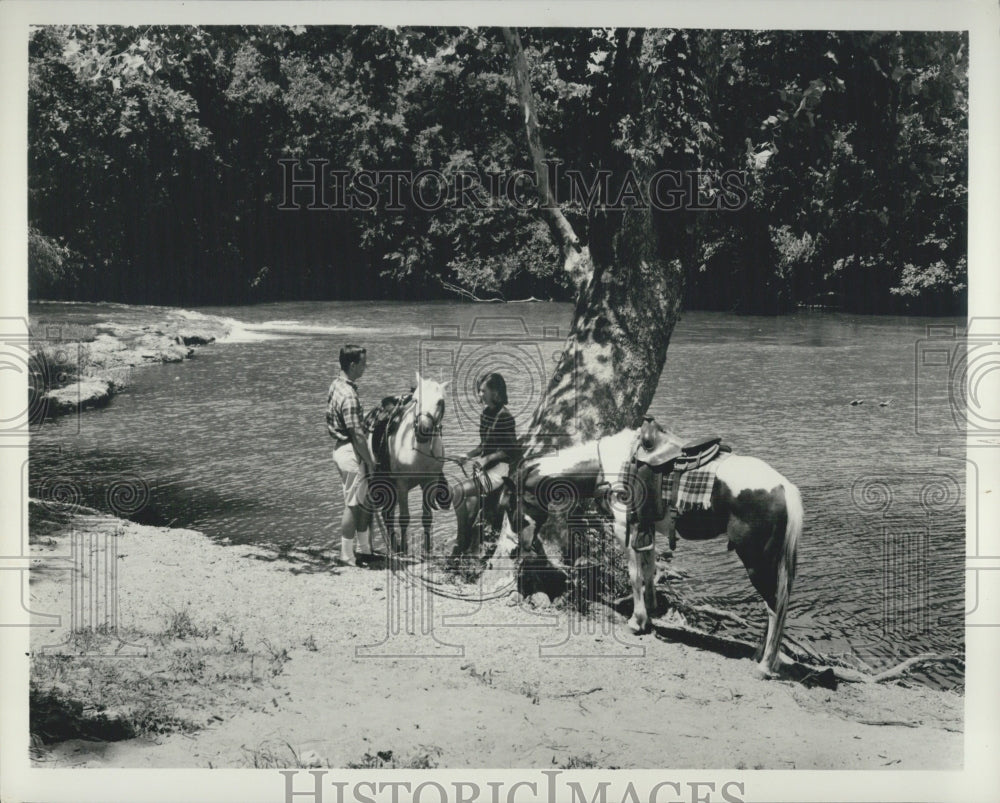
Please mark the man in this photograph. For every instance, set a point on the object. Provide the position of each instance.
(351, 454)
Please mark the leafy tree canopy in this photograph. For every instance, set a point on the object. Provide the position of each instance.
(155, 172)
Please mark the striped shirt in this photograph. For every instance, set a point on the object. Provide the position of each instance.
(343, 410)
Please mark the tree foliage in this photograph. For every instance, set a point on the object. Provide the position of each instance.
(155, 174)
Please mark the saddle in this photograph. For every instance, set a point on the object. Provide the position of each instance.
(382, 422)
(657, 457)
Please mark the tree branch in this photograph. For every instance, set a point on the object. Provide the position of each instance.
(468, 294)
(910, 663)
(673, 624)
(579, 268)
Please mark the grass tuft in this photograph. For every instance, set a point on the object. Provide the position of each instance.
(84, 691)
(584, 762)
(424, 759)
(180, 625)
(270, 756)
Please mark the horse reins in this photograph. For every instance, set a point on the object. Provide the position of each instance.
(436, 587)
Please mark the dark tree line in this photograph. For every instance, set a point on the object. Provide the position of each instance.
(155, 155)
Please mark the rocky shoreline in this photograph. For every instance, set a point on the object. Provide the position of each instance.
(80, 373)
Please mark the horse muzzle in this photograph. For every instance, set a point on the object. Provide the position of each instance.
(425, 427)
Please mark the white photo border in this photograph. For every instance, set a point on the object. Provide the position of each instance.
(979, 779)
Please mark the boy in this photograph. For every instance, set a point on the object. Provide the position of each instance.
(351, 454)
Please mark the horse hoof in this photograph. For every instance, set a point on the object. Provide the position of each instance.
(637, 627)
(765, 672)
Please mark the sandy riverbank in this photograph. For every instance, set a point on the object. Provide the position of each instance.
(243, 658)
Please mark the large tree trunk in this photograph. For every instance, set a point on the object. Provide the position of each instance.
(629, 279)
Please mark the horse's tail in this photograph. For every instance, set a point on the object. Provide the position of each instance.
(786, 569)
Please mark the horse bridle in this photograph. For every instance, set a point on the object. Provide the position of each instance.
(425, 425)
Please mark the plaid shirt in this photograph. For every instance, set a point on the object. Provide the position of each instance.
(343, 410)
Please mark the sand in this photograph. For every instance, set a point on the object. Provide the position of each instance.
(336, 680)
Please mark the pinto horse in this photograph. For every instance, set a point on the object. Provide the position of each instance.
(757, 508)
(416, 457)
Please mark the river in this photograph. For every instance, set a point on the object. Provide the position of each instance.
(233, 442)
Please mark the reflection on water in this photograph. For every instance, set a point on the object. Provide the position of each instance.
(233, 442)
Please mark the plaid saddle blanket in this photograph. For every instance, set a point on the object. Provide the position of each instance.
(695, 491)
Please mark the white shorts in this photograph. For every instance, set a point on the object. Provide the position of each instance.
(353, 473)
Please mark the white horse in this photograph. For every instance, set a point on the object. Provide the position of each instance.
(757, 508)
(416, 457)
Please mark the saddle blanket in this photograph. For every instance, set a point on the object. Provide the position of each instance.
(695, 491)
